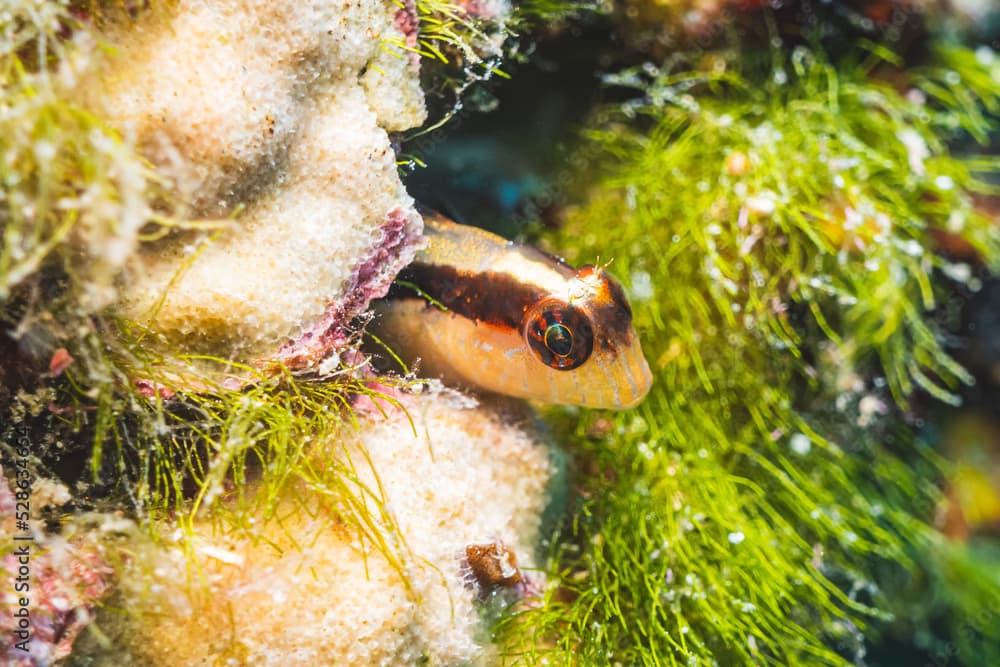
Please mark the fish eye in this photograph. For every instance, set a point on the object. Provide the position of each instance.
(559, 340)
(559, 335)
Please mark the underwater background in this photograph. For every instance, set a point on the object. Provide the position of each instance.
(801, 200)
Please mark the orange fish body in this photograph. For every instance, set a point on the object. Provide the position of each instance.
(481, 311)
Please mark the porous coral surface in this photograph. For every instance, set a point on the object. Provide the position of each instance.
(304, 590)
(273, 120)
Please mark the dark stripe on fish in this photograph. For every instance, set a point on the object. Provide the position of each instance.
(487, 296)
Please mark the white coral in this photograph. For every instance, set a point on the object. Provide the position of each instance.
(303, 594)
(270, 113)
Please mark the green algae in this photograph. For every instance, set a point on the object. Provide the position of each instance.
(50, 146)
(778, 219)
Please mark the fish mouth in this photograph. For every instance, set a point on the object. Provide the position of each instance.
(624, 383)
(638, 379)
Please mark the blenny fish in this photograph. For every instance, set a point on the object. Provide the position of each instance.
(482, 311)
